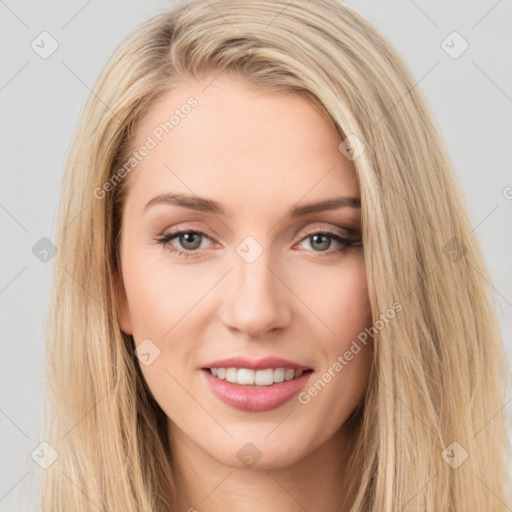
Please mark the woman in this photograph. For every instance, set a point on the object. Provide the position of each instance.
(268, 293)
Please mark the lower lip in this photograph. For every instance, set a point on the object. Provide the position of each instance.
(255, 398)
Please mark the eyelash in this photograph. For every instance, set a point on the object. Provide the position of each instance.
(166, 238)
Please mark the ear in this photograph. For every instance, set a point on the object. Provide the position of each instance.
(122, 305)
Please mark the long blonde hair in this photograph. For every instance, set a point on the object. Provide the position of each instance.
(438, 376)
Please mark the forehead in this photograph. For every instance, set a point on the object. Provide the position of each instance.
(229, 139)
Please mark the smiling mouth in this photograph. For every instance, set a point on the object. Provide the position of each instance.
(256, 378)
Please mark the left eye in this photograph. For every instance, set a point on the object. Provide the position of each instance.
(191, 241)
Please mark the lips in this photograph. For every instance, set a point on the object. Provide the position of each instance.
(256, 398)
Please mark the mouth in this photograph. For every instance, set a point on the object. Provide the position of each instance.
(248, 377)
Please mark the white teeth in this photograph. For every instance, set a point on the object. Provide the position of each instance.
(247, 377)
(231, 374)
(279, 374)
(289, 374)
(264, 377)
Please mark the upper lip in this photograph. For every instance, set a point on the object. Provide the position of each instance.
(259, 364)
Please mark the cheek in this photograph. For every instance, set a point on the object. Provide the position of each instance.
(345, 362)
(159, 294)
(338, 297)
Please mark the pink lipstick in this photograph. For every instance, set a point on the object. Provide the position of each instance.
(255, 385)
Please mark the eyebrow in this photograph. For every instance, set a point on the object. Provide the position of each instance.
(208, 205)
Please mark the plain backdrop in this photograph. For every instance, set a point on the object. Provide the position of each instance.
(41, 99)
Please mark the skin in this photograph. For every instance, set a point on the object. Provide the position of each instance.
(259, 154)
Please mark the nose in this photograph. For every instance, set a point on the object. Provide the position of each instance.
(257, 298)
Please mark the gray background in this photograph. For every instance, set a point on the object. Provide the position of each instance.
(41, 100)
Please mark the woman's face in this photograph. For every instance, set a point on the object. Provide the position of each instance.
(257, 273)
